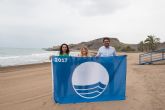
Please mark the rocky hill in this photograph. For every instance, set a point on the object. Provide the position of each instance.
(95, 44)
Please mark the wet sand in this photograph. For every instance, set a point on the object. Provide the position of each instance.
(29, 87)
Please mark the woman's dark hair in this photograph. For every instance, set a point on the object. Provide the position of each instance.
(106, 38)
(67, 51)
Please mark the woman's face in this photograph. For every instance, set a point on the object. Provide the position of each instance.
(64, 48)
(84, 51)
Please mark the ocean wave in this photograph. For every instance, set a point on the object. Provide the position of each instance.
(92, 95)
(24, 59)
(30, 58)
(89, 91)
(97, 88)
(90, 86)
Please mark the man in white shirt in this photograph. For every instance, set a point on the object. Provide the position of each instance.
(106, 50)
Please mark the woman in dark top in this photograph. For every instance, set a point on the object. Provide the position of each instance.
(64, 50)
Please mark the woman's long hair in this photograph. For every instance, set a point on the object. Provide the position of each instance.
(85, 49)
(67, 51)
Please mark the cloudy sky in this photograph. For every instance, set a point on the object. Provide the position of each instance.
(43, 23)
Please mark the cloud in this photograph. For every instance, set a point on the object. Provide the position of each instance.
(97, 7)
(16, 7)
(52, 22)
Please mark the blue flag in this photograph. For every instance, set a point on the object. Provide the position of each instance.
(88, 79)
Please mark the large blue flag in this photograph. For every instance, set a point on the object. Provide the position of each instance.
(88, 79)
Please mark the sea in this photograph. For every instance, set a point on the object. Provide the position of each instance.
(23, 56)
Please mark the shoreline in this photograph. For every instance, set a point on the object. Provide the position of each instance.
(21, 67)
(92, 53)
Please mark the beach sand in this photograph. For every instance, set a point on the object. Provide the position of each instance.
(29, 87)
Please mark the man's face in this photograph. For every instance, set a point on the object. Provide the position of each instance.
(106, 43)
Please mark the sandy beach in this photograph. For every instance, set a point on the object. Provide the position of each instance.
(29, 87)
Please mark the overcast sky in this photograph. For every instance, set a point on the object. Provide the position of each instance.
(44, 23)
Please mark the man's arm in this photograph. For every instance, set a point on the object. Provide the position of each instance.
(98, 53)
(114, 53)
